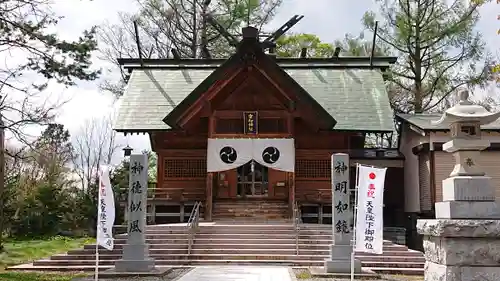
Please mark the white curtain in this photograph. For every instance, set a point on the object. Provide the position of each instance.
(278, 154)
(227, 154)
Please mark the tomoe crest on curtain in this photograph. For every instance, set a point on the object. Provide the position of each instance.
(227, 154)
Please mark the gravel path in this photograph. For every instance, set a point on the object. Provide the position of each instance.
(304, 275)
(174, 274)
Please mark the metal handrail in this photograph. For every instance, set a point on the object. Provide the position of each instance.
(297, 220)
(192, 225)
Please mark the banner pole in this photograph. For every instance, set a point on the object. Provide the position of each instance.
(355, 211)
(96, 261)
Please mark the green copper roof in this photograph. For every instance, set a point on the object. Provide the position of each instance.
(356, 98)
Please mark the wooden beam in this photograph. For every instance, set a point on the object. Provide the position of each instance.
(307, 112)
(237, 82)
(214, 89)
(262, 113)
(257, 136)
(262, 82)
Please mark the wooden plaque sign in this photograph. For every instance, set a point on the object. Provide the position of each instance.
(251, 122)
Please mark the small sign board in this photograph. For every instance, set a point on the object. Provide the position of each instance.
(251, 122)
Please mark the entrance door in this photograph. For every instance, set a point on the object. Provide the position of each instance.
(253, 180)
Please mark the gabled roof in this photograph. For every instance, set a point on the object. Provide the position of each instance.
(249, 53)
(424, 122)
(350, 90)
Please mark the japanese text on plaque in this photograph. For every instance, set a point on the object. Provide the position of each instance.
(250, 118)
(342, 213)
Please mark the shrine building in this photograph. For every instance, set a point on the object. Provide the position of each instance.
(257, 131)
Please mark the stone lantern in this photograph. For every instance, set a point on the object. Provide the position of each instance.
(465, 120)
(463, 242)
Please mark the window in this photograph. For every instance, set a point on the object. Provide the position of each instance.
(312, 169)
(185, 168)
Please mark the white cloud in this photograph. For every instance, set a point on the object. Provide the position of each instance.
(328, 19)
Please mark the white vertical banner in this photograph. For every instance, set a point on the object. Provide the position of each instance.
(369, 218)
(105, 210)
(341, 212)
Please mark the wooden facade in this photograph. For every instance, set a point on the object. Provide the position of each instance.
(251, 82)
(182, 152)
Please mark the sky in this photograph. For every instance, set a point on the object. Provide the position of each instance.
(328, 19)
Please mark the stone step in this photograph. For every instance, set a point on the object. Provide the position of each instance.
(197, 256)
(260, 236)
(110, 263)
(120, 251)
(288, 260)
(248, 209)
(150, 236)
(215, 241)
(250, 202)
(250, 217)
(234, 243)
(397, 271)
(388, 256)
(167, 245)
(390, 259)
(398, 264)
(288, 231)
(58, 268)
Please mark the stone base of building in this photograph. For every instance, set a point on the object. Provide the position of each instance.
(461, 250)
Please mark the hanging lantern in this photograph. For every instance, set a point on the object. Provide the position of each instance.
(127, 151)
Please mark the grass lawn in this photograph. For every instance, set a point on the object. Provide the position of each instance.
(26, 251)
(31, 276)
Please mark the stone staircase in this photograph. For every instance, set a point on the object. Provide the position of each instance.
(239, 243)
(250, 210)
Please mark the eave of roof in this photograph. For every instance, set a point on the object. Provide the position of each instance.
(286, 63)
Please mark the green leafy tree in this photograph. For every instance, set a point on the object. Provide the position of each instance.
(358, 46)
(46, 209)
(41, 56)
(291, 46)
(179, 24)
(438, 47)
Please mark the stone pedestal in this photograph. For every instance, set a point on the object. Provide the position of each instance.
(135, 259)
(342, 214)
(461, 250)
(340, 257)
(136, 252)
(463, 242)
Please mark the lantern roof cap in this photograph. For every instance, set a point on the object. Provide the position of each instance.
(466, 111)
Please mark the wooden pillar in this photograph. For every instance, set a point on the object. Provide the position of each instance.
(209, 197)
(181, 212)
(291, 192)
(210, 176)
